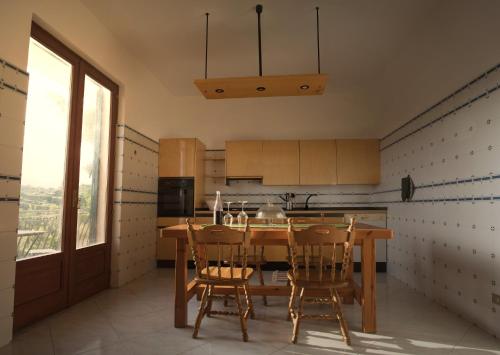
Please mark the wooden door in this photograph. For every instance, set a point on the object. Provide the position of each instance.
(244, 159)
(52, 269)
(358, 161)
(281, 162)
(318, 162)
(93, 183)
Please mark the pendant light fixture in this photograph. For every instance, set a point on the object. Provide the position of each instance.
(262, 86)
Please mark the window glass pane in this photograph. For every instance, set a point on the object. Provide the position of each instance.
(44, 153)
(93, 165)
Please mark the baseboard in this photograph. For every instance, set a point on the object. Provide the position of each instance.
(381, 266)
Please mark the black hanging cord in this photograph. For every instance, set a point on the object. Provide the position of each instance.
(206, 45)
(258, 9)
(317, 38)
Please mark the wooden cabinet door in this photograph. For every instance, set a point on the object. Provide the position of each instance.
(177, 157)
(199, 175)
(318, 162)
(358, 161)
(281, 162)
(165, 247)
(244, 158)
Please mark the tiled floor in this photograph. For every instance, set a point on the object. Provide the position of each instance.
(138, 319)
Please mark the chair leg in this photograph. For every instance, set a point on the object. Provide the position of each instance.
(248, 298)
(296, 319)
(338, 312)
(201, 312)
(261, 279)
(243, 321)
(291, 302)
(208, 308)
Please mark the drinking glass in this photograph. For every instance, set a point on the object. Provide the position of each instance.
(242, 216)
(228, 217)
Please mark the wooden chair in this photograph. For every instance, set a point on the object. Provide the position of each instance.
(225, 242)
(313, 256)
(323, 274)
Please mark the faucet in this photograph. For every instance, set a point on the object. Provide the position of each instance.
(289, 199)
(306, 207)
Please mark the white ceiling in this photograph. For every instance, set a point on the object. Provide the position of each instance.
(358, 37)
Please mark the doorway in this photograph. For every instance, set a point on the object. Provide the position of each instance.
(64, 231)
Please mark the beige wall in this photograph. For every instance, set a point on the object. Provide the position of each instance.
(455, 44)
(71, 22)
(214, 121)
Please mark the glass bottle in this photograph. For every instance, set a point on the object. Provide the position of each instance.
(218, 209)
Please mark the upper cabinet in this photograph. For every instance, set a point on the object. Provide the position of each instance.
(244, 159)
(358, 161)
(177, 157)
(281, 162)
(318, 162)
(184, 157)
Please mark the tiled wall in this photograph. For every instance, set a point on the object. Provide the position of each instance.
(13, 89)
(447, 242)
(134, 212)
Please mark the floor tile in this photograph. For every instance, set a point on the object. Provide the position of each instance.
(138, 319)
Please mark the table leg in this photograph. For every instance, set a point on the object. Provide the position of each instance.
(181, 298)
(368, 272)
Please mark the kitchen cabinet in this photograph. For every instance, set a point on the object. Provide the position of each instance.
(358, 161)
(165, 247)
(318, 162)
(183, 157)
(244, 159)
(281, 162)
(177, 157)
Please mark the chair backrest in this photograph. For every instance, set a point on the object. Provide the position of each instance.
(226, 243)
(315, 250)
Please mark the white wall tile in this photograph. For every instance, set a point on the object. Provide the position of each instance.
(11, 158)
(12, 104)
(5, 330)
(9, 188)
(449, 250)
(7, 274)
(11, 131)
(6, 302)
(8, 241)
(9, 215)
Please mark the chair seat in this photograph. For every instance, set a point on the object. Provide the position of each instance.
(315, 282)
(225, 273)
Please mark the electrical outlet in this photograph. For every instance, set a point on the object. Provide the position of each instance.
(495, 299)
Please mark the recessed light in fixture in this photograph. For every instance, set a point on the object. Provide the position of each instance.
(261, 88)
(304, 87)
(219, 91)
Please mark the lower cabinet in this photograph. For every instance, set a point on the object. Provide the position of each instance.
(165, 247)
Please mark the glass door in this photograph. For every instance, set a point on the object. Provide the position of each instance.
(64, 230)
(94, 148)
(44, 153)
(90, 265)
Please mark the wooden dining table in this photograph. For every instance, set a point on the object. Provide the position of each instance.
(364, 294)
